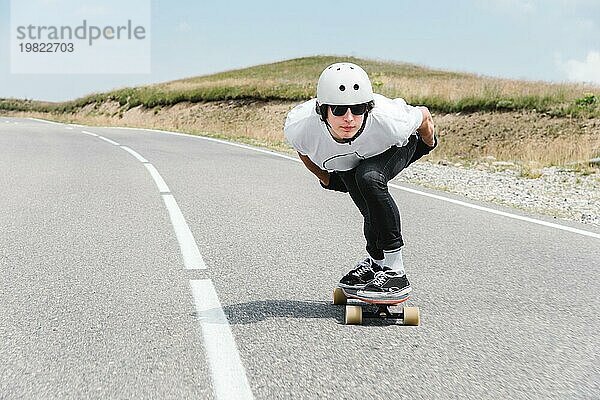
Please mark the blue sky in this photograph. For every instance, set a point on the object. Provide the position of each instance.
(552, 40)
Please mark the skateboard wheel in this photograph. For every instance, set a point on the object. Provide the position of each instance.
(339, 297)
(353, 315)
(412, 316)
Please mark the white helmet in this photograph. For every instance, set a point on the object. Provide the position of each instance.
(344, 83)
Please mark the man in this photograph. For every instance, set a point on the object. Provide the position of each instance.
(356, 141)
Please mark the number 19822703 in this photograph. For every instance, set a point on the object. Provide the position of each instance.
(55, 47)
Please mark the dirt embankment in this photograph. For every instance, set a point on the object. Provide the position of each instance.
(524, 137)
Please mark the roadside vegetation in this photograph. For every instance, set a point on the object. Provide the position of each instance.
(478, 118)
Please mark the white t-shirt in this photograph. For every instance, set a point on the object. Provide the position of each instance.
(390, 123)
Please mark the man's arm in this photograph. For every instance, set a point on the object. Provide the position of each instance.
(427, 140)
(426, 129)
(314, 168)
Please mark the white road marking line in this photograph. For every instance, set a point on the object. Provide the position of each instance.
(108, 140)
(442, 198)
(89, 133)
(70, 128)
(46, 121)
(192, 259)
(497, 212)
(135, 154)
(228, 373)
(243, 146)
(160, 182)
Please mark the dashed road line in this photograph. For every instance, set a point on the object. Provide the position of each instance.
(135, 154)
(46, 121)
(108, 140)
(160, 182)
(228, 374)
(192, 259)
(227, 371)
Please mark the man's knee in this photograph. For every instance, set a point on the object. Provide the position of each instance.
(371, 180)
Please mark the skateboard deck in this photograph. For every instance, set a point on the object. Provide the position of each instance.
(354, 313)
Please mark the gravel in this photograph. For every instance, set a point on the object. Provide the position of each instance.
(557, 192)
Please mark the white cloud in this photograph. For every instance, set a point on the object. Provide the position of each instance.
(583, 71)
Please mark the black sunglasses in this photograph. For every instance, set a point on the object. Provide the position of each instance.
(356, 109)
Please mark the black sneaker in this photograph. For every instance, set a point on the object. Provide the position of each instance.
(363, 273)
(386, 286)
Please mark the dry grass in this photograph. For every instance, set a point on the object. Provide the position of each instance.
(529, 140)
(518, 136)
(455, 88)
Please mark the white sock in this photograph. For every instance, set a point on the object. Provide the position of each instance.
(393, 260)
(378, 262)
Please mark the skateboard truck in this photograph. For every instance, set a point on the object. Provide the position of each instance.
(385, 312)
(354, 312)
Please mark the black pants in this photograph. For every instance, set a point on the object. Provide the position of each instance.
(367, 185)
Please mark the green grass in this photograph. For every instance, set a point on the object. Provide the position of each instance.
(295, 80)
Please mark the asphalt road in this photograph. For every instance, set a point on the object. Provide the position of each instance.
(96, 300)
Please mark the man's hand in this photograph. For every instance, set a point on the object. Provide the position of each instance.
(335, 183)
(427, 128)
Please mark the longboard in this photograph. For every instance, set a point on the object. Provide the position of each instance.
(354, 313)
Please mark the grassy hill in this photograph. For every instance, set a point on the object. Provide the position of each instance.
(295, 80)
(477, 118)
